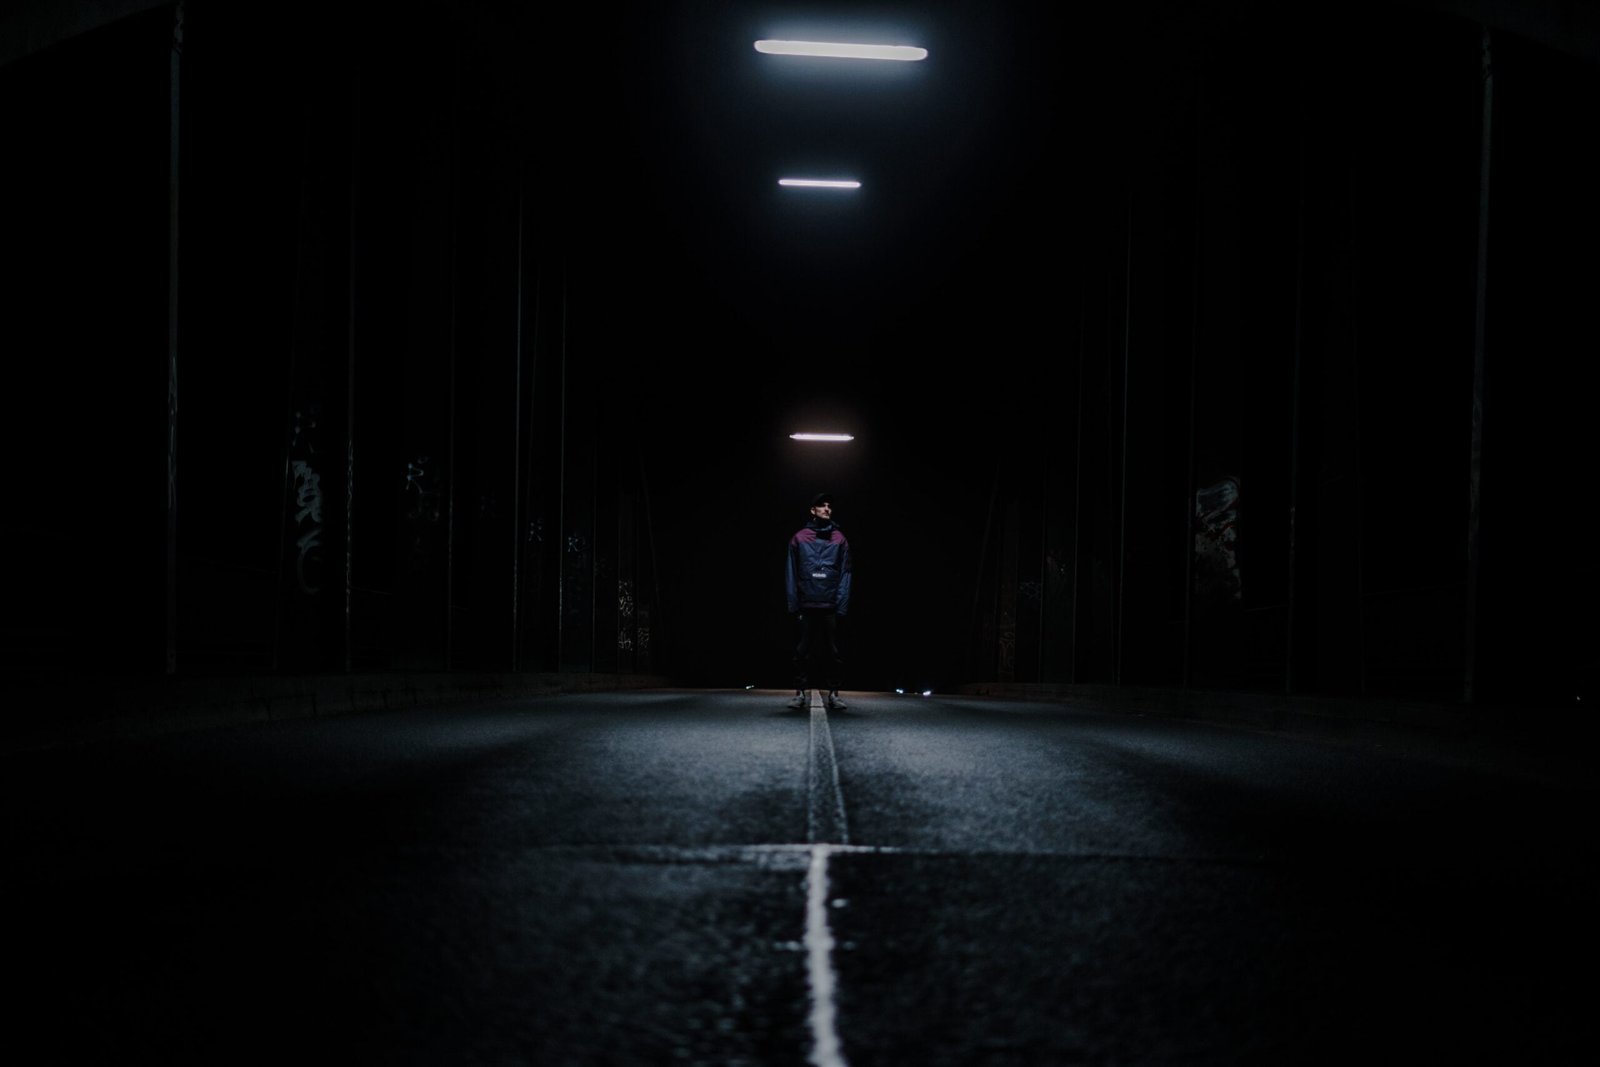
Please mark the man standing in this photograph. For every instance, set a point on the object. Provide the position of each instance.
(818, 583)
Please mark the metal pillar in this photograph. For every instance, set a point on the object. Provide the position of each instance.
(1077, 474)
(1474, 484)
(1122, 519)
(561, 485)
(454, 327)
(1294, 421)
(983, 561)
(174, 97)
(350, 372)
(651, 625)
(1194, 384)
(516, 442)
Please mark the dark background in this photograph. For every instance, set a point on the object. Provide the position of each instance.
(519, 287)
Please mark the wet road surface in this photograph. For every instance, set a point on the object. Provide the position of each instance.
(694, 877)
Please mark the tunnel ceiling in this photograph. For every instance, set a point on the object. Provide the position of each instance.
(981, 167)
(975, 167)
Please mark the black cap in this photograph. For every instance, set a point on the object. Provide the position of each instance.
(821, 499)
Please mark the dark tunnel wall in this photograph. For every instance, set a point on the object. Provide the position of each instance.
(385, 453)
(1276, 322)
(1234, 420)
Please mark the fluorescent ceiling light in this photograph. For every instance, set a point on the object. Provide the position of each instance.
(819, 183)
(821, 437)
(904, 53)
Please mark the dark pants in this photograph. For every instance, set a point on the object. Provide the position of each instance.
(819, 639)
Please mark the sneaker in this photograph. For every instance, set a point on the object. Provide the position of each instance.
(800, 701)
(835, 704)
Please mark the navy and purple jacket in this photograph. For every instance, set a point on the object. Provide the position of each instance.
(819, 569)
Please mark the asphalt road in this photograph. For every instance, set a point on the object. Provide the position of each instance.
(693, 877)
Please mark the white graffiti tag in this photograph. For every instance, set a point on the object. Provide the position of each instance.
(308, 498)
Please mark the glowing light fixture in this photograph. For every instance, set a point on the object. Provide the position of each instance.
(821, 437)
(831, 50)
(819, 183)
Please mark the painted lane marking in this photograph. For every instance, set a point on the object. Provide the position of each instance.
(825, 819)
(796, 857)
(825, 1051)
(826, 829)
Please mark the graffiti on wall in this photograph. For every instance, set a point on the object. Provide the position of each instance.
(422, 500)
(625, 615)
(575, 578)
(307, 491)
(1216, 541)
(308, 523)
(424, 508)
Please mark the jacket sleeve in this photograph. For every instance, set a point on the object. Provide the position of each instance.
(841, 604)
(789, 580)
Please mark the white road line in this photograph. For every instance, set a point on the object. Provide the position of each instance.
(819, 963)
(825, 819)
(798, 857)
(825, 826)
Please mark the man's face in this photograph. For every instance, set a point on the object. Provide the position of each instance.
(823, 511)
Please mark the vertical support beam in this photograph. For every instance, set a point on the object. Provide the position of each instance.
(594, 542)
(973, 630)
(174, 100)
(1044, 558)
(291, 414)
(1122, 519)
(453, 344)
(1194, 385)
(287, 480)
(1077, 476)
(649, 623)
(996, 618)
(1006, 592)
(516, 440)
(534, 487)
(347, 610)
(1360, 495)
(1295, 400)
(561, 484)
(1470, 680)
(628, 596)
